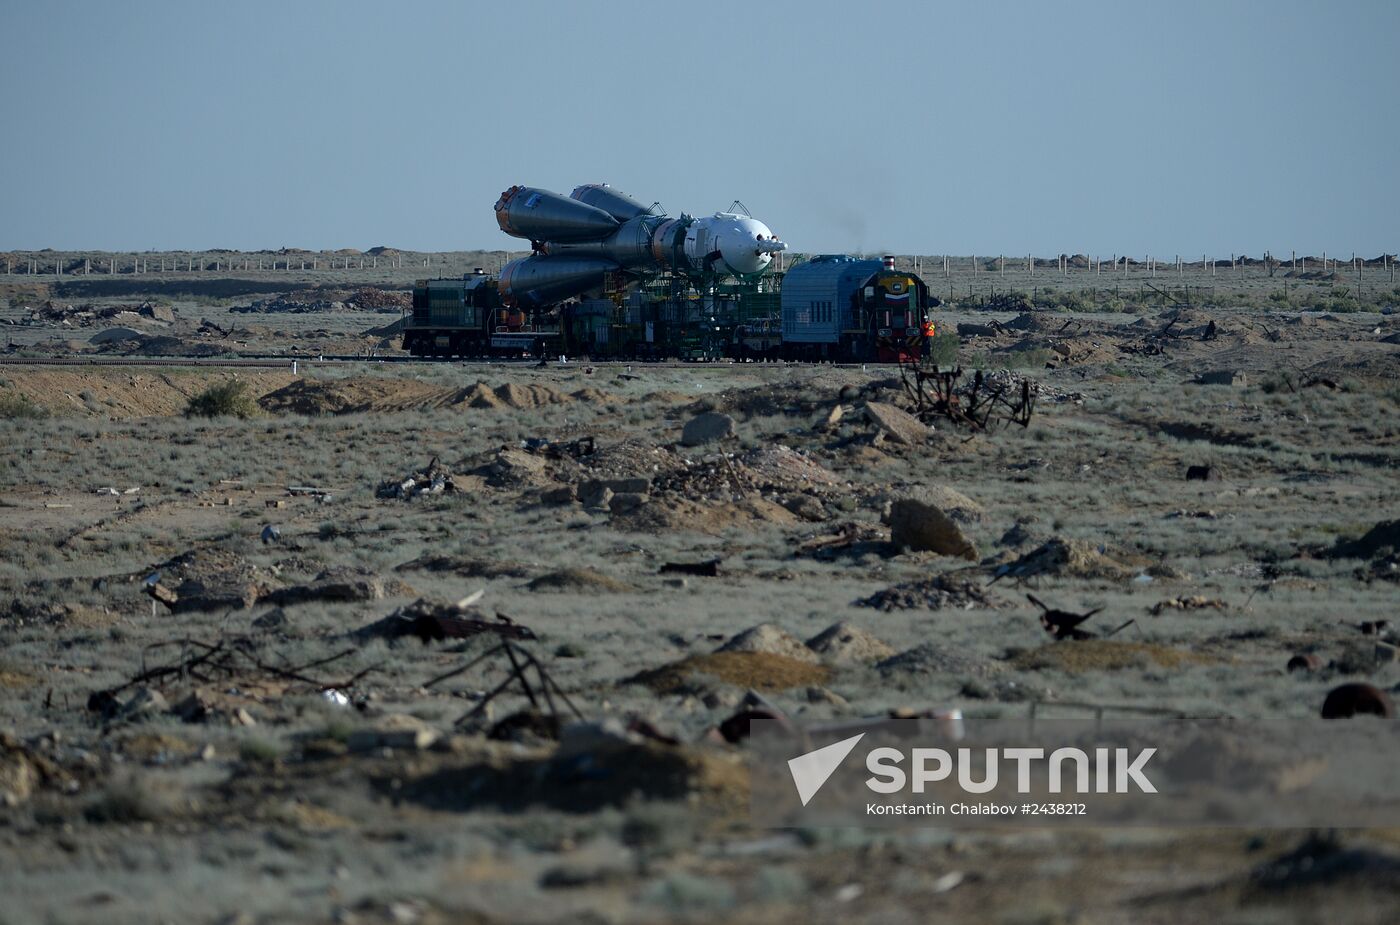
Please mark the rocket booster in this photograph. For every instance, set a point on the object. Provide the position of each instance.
(596, 230)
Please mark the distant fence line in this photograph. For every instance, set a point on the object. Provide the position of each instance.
(1029, 266)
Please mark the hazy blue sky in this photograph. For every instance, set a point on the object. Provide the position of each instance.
(911, 126)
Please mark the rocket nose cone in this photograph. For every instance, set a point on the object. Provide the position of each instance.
(742, 247)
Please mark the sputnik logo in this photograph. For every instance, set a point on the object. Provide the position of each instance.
(812, 770)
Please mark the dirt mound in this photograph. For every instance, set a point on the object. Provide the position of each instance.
(942, 592)
(350, 396)
(1066, 557)
(578, 581)
(213, 579)
(511, 395)
(120, 393)
(1106, 655)
(844, 644)
(755, 670)
(930, 659)
(369, 394)
(771, 640)
(1040, 322)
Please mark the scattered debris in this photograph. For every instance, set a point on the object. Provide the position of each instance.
(231, 659)
(1194, 602)
(434, 621)
(941, 592)
(432, 479)
(582, 448)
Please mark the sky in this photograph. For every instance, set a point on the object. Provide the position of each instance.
(904, 126)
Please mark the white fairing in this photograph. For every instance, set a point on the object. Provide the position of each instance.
(729, 243)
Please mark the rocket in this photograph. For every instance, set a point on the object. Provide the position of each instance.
(596, 230)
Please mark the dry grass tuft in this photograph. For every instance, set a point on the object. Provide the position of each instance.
(758, 670)
(1085, 655)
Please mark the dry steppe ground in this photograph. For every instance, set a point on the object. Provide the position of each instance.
(236, 791)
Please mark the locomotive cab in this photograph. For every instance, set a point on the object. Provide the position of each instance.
(893, 307)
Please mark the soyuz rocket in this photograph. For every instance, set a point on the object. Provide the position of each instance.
(577, 240)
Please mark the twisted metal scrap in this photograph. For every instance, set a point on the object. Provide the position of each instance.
(223, 660)
(521, 660)
(980, 405)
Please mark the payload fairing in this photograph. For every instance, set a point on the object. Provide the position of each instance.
(578, 239)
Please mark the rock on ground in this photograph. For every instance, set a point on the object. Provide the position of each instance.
(900, 426)
(707, 428)
(920, 524)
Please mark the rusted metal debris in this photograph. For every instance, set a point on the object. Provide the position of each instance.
(1357, 699)
(1304, 663)
(229, 659)
(544, 694)
(981, 404)
(1063, 624)
(572, 449)
(706, 569)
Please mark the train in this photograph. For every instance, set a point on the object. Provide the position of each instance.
(830, 307)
